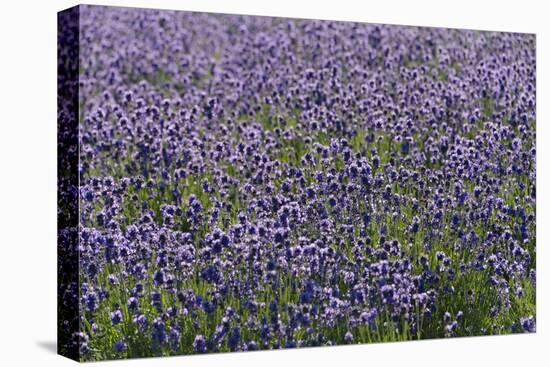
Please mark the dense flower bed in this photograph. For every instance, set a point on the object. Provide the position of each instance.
(259, 183)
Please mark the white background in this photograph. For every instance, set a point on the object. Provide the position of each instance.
(28, 181)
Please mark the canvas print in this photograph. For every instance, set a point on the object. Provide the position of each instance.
(240, 183)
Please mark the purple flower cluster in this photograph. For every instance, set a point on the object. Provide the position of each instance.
(260, 183)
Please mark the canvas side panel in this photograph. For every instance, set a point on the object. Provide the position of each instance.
(67, 183)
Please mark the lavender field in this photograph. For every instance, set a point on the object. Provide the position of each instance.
(250, 183)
